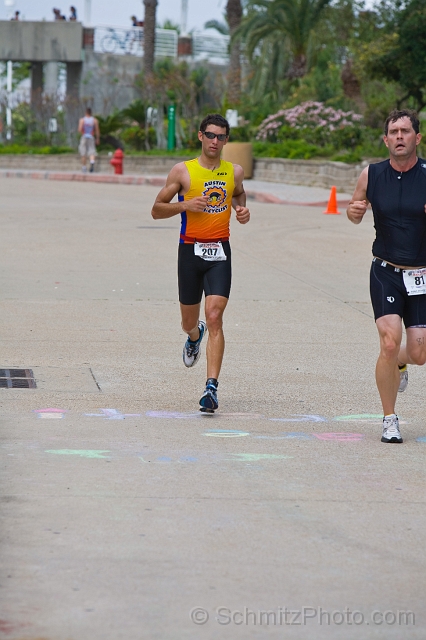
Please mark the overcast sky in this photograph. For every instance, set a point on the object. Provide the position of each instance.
(115, 13)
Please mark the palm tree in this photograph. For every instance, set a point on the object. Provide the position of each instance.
(234, 14)
(286, 23)
(149, 35)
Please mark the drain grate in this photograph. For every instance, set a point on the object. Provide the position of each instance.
(17, 379)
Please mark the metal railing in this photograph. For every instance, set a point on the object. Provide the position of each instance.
(214, 48)
(122, 41)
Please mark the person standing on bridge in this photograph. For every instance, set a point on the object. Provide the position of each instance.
(207, 189)
(396, 189)
(89, 128)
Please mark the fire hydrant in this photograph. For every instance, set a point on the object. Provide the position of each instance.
(117, 161)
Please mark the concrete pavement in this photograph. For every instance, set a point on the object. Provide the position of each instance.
(285, 501)
(271, 192)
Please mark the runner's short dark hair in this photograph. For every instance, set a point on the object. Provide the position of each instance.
(396, 114)
(216, 119)
(89, 111)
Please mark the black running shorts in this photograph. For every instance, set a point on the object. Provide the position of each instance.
(196, 275)
(388, 296)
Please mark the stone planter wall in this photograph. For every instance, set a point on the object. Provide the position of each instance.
(309, 173)
(72, 162)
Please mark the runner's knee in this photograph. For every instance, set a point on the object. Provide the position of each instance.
(214, 319)
(389, 346)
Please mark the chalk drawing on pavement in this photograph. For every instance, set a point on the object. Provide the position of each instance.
(83, 453)
(50, 413)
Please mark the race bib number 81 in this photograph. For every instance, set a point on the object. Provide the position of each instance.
(211, 251)
(415, 281)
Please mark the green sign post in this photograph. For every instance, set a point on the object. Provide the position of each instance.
(171, 130)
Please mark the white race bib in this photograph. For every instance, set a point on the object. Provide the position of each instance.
(415, 281)
(211, 251)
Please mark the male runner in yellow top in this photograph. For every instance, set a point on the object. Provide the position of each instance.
(207, 188)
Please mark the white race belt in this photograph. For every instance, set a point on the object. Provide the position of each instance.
(211, 251)
(415, 281)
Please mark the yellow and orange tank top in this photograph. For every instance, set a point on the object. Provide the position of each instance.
(213, 222)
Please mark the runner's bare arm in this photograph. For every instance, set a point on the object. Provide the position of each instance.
(176, 181)
(359, 203)
(80, 126)
(239, 196)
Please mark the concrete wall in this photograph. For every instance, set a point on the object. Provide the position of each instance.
(41, 41)
(107, 81)
(308, 173)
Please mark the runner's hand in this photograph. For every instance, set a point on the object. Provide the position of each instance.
(197, 204)
(356, 210)
(243, 214)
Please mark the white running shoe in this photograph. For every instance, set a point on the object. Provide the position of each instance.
(191, 350)
(391, 432)
(403, 378)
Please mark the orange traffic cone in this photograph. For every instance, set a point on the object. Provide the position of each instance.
(332, 203)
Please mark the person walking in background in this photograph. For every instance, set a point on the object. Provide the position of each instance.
(90, 137)
(73, 14)
(16, 16)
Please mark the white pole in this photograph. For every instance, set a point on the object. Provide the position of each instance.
(9, 95)
(87, 12)
(184, 17)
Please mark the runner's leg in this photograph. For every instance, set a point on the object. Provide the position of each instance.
(387, 373)
(214, 308)
(415, 350)
(190, 315)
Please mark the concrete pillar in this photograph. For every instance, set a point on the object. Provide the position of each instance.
(51, 78)
(73, 79)
(36, 80)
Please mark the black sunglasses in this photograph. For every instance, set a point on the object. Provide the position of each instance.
(211, 136)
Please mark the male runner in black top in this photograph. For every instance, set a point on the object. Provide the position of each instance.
(396, 189)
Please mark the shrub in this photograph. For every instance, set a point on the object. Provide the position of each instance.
(315, 123)
(293, 149)
(135, 137)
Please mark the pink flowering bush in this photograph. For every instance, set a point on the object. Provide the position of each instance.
(315, 123)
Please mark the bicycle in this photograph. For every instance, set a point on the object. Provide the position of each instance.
(131, 41)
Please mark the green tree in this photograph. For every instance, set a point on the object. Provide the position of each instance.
(399, 54)
(285, 25)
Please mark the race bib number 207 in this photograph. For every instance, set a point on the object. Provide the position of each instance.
(415, 281)
(211, 251)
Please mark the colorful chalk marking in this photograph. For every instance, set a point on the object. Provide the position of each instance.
(421, 439)
(341, 437)
(112, 414)
(360, 417)
(225, 433)
(287, 436)
(83, 453)
(172, 414)
(163, 459)
(51, 413)
(256, 457)
(300, 417)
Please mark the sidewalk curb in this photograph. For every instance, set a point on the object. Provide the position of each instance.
(156, 181)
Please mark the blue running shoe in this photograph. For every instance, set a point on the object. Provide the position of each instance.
(191, 350)
(209, 402)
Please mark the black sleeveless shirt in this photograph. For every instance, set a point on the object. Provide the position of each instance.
(398, 201)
